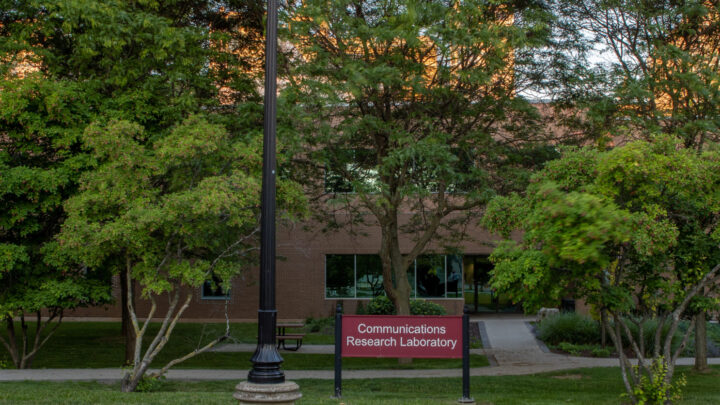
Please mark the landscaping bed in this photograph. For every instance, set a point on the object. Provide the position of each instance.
(580, 335)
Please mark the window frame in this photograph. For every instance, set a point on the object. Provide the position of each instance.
(225, 297)
(414, 286)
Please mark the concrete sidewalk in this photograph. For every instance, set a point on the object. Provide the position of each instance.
(507, 340)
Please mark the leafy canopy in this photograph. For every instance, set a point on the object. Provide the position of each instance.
(620, 228)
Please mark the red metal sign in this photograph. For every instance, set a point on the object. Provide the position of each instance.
(402, 336)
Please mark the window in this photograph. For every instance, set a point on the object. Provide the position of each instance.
(369, 276)
(360, 276)
(430, 273)
(214, 290)
(340, 276)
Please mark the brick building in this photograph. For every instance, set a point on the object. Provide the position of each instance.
(316, 270)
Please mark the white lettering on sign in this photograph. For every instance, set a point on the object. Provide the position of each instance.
(415, 342)
(411, 329)
(386, 342)
(401, 336)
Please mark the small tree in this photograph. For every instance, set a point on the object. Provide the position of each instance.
(659, 74)
(615, 228)
(411, 110)
(178, 212)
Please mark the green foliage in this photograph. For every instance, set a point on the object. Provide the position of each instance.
(360, 309)
(569, 328)
(649, 329)
(407, 104)
(323, 325)
(90, 62)
(195, 188)
(660, 76)
(601, 352)
(623, 230)
(421, 307)
(655, 390)
(381, 305)
(633, 206)
(571, 348)
(150, 384)
(574, 349)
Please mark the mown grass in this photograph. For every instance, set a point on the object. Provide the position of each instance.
(100, 345)
(585, 386)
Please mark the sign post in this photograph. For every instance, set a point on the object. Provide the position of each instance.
(466, 399)
(338, 351)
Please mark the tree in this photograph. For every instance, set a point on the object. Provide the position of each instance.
(410, 109)
(181, 212)
(40, 122)
(144, 62)
(661, 74)
(659, 69)
(622, 230)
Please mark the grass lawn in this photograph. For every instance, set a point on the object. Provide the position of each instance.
(99, 345)
(585, 386)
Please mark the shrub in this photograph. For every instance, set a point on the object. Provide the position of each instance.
(601, 352)
(649, 328)
(571, 348)
(580, 329)
(654, 389)
(320, 324)
(150, 384)
(381, 305)
(418, 307)
(569, 327)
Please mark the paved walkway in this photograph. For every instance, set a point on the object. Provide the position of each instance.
(507, 340)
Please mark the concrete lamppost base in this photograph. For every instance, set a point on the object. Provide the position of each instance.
(281, 394)
(466, 401)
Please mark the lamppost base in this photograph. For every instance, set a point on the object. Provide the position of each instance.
(466, 400)
(248, 393)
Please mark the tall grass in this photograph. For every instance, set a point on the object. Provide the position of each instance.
(569, 327)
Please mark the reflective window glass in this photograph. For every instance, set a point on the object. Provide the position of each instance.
(369, 276)
(431, 276)
(340, 276)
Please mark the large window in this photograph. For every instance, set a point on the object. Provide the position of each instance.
(360, 276)
(214, 290)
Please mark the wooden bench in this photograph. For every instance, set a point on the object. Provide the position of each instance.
(297, 337)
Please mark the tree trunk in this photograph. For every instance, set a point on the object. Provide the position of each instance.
(701, 343)
(603, 331)
(400, 292)
(132, 379)
(11, 344)
(128, 331)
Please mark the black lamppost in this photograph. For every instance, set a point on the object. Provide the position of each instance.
(266, 360)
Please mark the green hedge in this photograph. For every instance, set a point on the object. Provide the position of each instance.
(569, 327)
(382, 305)
(580, 329)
